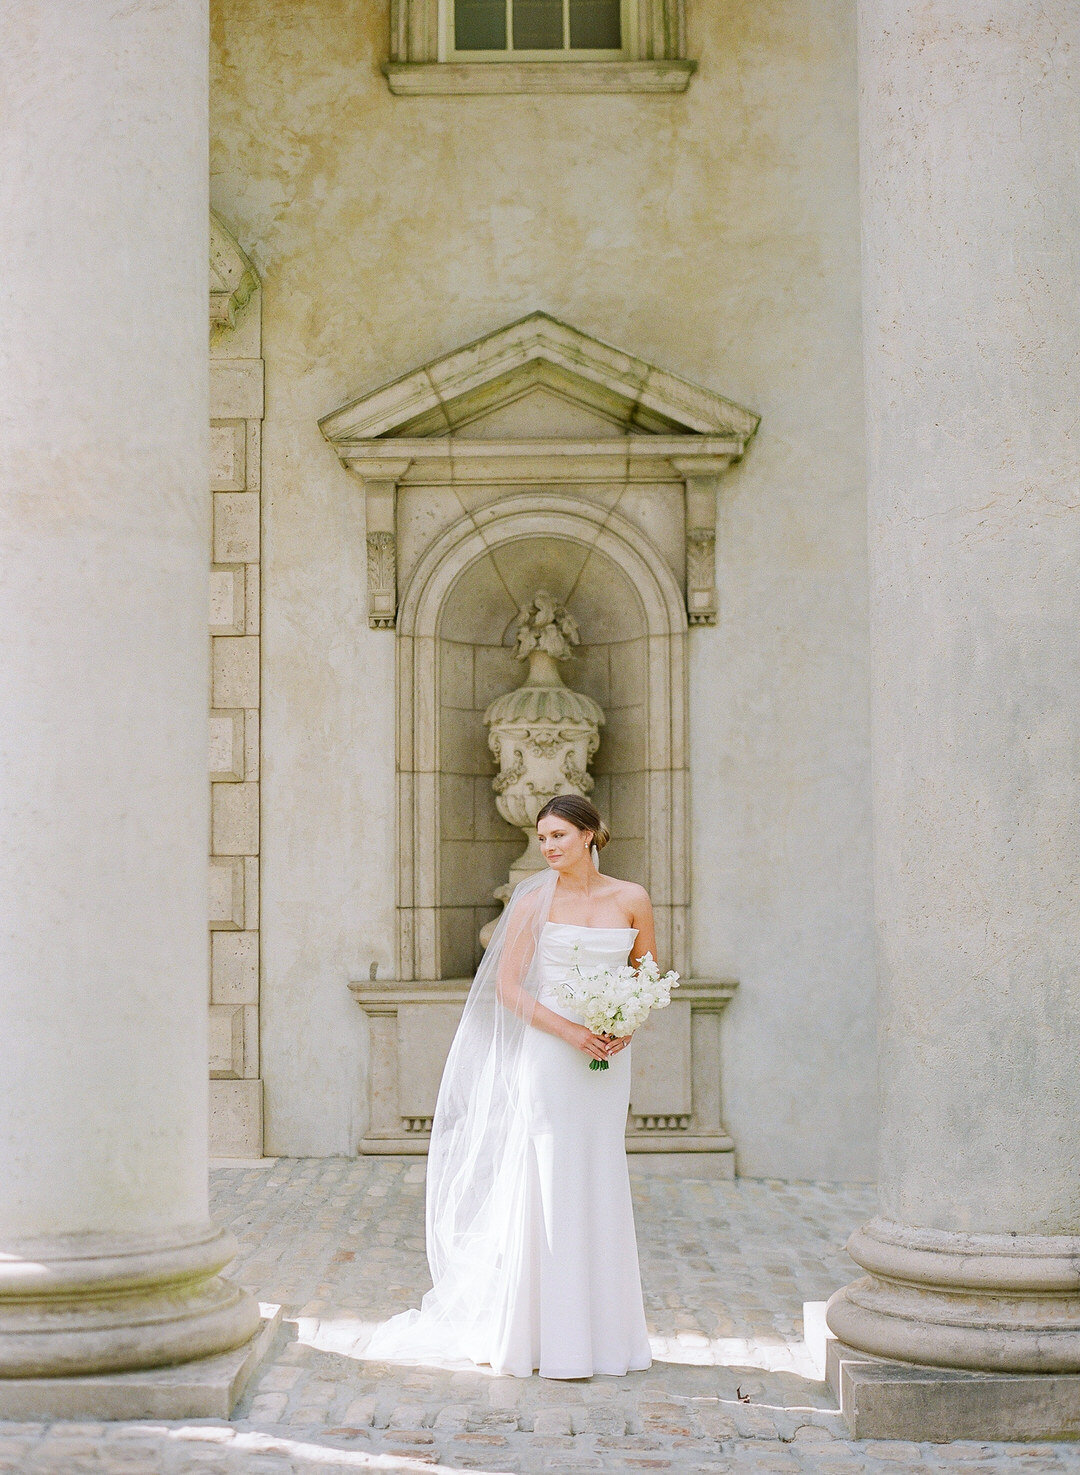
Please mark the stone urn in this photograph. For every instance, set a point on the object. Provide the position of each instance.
(542, 734)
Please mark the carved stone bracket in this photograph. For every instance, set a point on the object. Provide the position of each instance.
(701, 576)
(701, 474)
(380, 498)
(232, 277)
(382, 579)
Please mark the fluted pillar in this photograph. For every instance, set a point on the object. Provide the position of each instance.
(107, 1256)
(970, 117)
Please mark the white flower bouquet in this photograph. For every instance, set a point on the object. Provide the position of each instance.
(615, 1001)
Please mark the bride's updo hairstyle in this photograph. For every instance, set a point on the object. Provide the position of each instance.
(581, 813)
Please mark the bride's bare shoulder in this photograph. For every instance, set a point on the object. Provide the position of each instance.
(631, 895)
(527, 904)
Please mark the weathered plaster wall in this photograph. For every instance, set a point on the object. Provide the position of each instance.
(714, 233)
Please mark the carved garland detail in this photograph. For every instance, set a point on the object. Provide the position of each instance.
(701, 576)
(382, 580)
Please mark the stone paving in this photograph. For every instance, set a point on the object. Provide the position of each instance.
(727, 1268)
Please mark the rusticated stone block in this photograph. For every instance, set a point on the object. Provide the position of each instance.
(236, 670)
(251, 743)
(235, 819)
(227, 600)
(227, 892)
(236, 527)
(228, 439)
(251, 599)
(226, 1040)
(254, 455)
(236, 1126)
(234, 968)
(236, 389)
(251, 892)
(227, 746)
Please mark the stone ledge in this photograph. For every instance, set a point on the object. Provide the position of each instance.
(713, 1164)
(464, 78)
(208, 1388)
(895, 1400)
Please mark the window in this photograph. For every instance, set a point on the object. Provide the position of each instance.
(514, 27)
(505, 46)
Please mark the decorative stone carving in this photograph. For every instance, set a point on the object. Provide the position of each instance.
(382, 580)
(232, 277)
(647, 426)
(701, 576)
(702, 474)
(536, 433)
(380, 477)
(539, 423)
(542, 734)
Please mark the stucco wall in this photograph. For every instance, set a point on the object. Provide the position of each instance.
(713, 233)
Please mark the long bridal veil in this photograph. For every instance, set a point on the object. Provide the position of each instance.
(478, 1156)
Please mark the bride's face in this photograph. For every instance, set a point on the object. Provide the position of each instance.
(562, 844)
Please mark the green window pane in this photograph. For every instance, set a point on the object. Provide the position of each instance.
(480, 25)
(595, 25)
(538, 25)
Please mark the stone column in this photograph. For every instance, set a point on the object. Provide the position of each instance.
(107, 1257)
(971, 211)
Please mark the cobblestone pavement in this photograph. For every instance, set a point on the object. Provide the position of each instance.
(726, 1267)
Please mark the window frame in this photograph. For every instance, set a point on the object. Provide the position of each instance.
(652, 60)
(448, 52)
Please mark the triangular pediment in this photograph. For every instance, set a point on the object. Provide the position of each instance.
(538, 409)
(538, 379)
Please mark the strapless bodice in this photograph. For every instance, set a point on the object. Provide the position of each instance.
(564, 945)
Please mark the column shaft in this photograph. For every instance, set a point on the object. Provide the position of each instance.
(108, 1259)
(971, 211)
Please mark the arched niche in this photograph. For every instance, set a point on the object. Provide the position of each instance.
(476, 664)
(455, 655)
(539, 456)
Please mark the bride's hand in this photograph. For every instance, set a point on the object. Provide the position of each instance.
(598, 1047)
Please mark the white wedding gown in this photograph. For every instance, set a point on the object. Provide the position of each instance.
(576, 1307)
(530, 1223)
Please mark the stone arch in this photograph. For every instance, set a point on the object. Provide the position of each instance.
(607, 533)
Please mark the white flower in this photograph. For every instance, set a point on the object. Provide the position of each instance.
(617, 1001)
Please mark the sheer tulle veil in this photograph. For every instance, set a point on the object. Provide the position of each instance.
(477, 1159)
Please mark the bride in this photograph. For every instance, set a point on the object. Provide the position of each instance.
(530, 1228)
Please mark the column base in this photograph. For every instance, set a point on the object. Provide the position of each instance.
(895, 1400)
(81, 1304)
(208, 1388)
(997, 1303)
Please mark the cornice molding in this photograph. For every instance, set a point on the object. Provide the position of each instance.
(449, 392)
